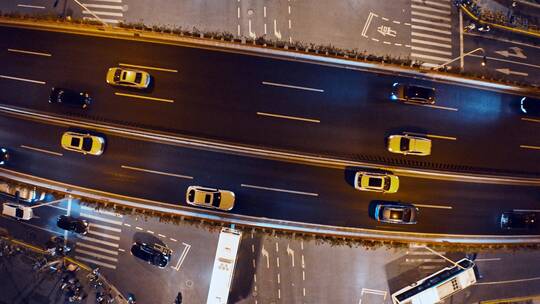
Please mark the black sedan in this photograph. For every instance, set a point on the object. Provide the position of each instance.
(413, 93)
(154, 254)
(70, 97)
(518, 220)
(71, 223)
(4, 156)
(530, 106)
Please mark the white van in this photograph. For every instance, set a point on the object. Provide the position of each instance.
(20, 212)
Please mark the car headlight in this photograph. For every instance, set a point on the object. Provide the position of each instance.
(393, 96)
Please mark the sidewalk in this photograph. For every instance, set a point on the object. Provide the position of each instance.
(512, 14)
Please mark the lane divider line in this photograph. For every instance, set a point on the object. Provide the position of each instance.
(279, 190)
(156, 172)
(530, 147)
(41, 150)
(30, 52)
(431, 135)
(147, 67)
(292, 86)
(433, 206)
(431, 106)
(22, 79)
(530, 119)
(144, 97)
(288, 117)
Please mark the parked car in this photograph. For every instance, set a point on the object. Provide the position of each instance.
(4, 156)
(128, 78)
(406, 144)
(367, 181)
(210, 198)
(18, 211)
(72, 223)
(154, 254)
(530, 106)
(83, 143)
(413, 93)
(70, 97)
(395, 213)
(518, 220)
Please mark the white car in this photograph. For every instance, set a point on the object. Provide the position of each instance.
(378, 182)
(210, 198)
(20, 212)
(406, 144)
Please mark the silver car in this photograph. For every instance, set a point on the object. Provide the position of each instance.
(395, 213)
(210, 198)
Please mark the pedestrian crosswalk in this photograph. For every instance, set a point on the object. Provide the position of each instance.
(109, 11)
(431, 31)
(100, 246)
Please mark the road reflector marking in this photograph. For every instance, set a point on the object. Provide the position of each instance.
(29, 52)
(288, 117)
(31, 6)
(144, 97)
(42, 150)
(529, 147)
(292, 86)
(279, 190)
(148, 67)
(156, 172)
(433, 206)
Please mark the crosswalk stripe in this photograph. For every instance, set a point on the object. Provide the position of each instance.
(105, 235)
(430, 16)
(96, 255)
(417, 48)
(113, 252)
(95, 262)
(86, 238)
(431, 36)
(433, 3)
(101, 13)
(425, 57)
(418, 41)
(102, 19)
(431, 9)
(414, 20)
(419, 27)
(102, 211)
(113, 7)
(100, 218)
(105, 227)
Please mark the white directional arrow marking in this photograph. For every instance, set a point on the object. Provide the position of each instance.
(265, 254)
(291, 253)
(276, 32)
(517, 53)
(507, 71)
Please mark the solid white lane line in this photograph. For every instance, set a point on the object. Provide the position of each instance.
(430, 29)
(431, 135)
(102, 13)
(121, 250)
(291, 86)
(139, 228)
(529, 147)
(31, 6)
(509, 281)
(431, 9)
(433, 206)
(113, 7)
(102, 19)
(29, 52)
(127, 225)
(431, 23)
(431, 16)
(105, 227)
(430, 37)
(156, 172)
(279, 190)
(289, 117)
(487, 260)
(527, 210)
(144, 97)
(530, 119)
(86, 238)
(105, 235)
(433, 3)
(174, 240)
(113, 252)
(96, 255)
(148, 67)
(100, 218)
(417, 48)
(432, 106)
(150, 231)
(437, 58)
(95, 262)
(42, 150)
(419, 41)
(22, 79)
(161, 235)
(83, 207)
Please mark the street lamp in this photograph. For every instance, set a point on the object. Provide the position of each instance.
(483, 63)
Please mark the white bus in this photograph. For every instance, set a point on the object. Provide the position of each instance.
(438, 286)
(224, 262)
